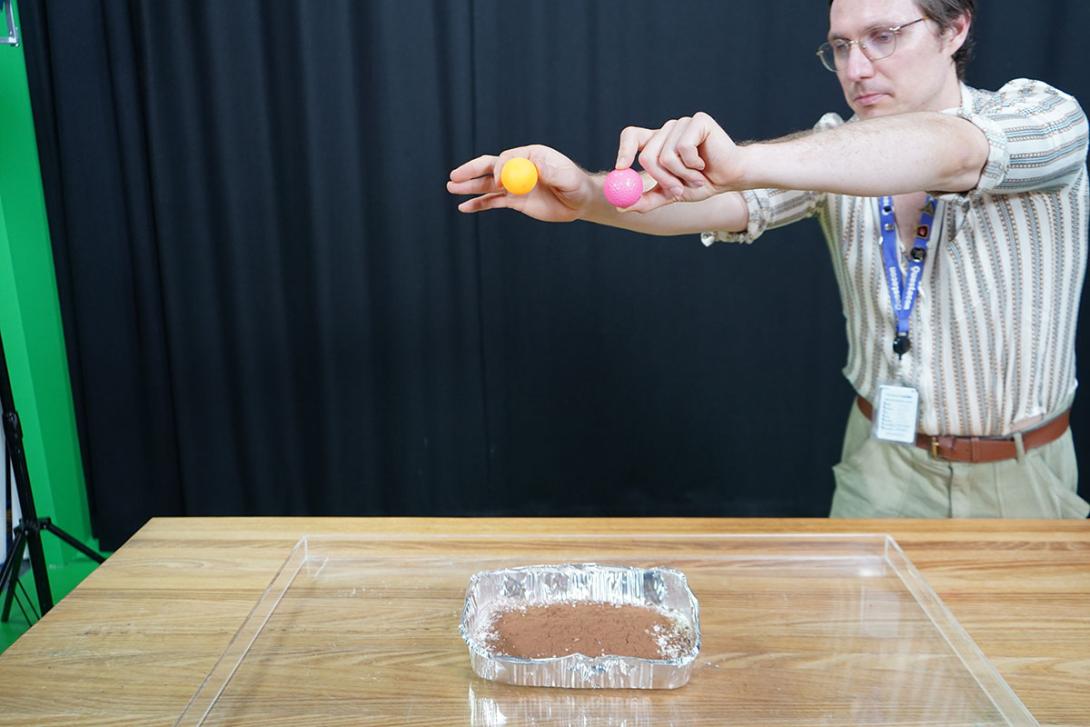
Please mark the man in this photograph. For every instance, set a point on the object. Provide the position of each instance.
(957, 224)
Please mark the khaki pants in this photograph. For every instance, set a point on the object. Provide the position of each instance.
(876, 479)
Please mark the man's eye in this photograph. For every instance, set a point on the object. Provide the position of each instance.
(880, 37)
(841, 47)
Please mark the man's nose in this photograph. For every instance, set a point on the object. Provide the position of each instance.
(858, 65)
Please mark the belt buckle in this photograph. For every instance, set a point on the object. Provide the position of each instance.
(935, 447)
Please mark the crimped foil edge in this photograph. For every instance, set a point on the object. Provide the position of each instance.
(663, 588)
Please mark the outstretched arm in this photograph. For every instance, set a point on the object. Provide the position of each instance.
(693, 158)
(914, 152)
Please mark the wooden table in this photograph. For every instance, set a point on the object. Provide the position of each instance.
(133, 642)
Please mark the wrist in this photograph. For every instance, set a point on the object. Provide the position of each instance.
(752, 165)
(594, 205)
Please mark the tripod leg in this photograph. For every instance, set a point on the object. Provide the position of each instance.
(73, 542)
(9, 578)
(41, 572)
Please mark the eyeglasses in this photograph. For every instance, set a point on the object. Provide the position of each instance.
(875, 45)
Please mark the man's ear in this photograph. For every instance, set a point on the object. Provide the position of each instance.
(958, 31)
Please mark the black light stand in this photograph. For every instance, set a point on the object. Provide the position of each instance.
(28, 532)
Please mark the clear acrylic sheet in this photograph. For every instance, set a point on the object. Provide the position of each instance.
(796, 630)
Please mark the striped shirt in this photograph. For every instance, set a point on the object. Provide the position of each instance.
(993, 328)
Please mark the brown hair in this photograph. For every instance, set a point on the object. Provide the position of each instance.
(944, 13)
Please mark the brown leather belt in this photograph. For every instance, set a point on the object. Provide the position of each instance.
(982, 449)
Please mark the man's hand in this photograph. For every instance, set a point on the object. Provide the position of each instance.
(563, 193)
(690, 159)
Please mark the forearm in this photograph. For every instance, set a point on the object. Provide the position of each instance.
(898, 154)
(725, 211)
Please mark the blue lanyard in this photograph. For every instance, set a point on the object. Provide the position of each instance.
(902, 292)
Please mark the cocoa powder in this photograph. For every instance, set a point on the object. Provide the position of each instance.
(587, 627)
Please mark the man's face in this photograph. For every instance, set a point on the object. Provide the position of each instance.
(916, 77)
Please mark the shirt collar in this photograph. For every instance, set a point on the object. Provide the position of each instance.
(968, 94)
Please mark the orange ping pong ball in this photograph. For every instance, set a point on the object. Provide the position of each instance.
(518, 176)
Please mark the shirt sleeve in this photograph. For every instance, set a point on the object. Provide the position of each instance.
(771, 208)
(768, 208)
(1037, 139)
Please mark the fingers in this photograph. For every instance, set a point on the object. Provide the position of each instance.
(716, 148)
(651, 199)
(677, 157)
(633, 139)
(482, 175)
(562, 189)
(475, 177)
(670, 156)
(480, 166)
(649, 160)
(689, 141)
(480, 185)
(496, 200)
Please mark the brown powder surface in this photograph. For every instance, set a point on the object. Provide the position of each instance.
(587, 627)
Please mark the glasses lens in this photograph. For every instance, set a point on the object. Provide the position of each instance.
(825, 53)
(879, 44)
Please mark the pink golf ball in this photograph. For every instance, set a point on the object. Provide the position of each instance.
(623, 187)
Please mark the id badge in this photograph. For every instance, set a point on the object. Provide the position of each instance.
(896, 413)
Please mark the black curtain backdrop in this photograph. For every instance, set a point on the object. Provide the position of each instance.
(273, 307)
